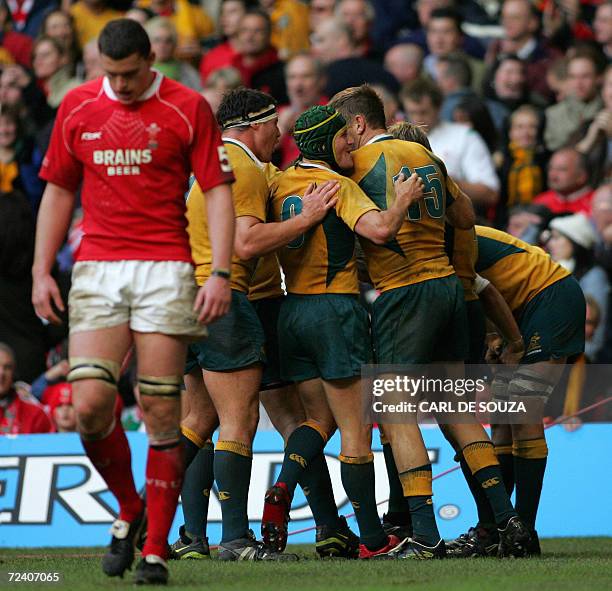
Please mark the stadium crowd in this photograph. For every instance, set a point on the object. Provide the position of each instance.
(514, 97)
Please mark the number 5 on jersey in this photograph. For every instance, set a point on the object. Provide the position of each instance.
(433, 194)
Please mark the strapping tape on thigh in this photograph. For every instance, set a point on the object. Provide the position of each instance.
(94, 368)
(165, 386)
(526, 382)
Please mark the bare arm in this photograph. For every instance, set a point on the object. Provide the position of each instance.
(54, 218)
(382, 226)
(460, 213)
(255, 239)
(214, 297)
(499, 313)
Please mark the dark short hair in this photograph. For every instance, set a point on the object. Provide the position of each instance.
(239, 102)
(258, 11)
(361, 100)
(421, 88)
(449, 13)
(123, 37)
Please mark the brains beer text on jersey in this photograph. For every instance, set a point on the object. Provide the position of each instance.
(122, 162)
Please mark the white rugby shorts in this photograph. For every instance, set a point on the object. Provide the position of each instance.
(152, 296)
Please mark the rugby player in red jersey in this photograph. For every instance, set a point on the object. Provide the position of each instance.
(130, 140)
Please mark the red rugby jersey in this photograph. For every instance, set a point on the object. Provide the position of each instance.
(135, 161)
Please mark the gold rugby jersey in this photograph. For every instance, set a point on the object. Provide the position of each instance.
(518, 270)
(250, 195)
(266, 279)
(417, 252)
(323, 259)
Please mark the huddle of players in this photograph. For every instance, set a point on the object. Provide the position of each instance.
(304, 351)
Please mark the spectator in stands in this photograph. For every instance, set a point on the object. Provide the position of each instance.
(18, 416)
(54, 375)
(305, 80)
(521, 22)
(191, 22)
(556, 78)
(602, 218)
(90, 16)
(358, 15)
(59, 25)
(92, 65)
(571, 243)
(59, 400)
(404, 61)
(290, 27)
(528, 222)
(218, 83)
(473, 112)
(425, 8)
(444, 36)
(569, 190)
(256, 56)
(522, 162)
(593, 138)
(14, 46)
(333, 44)
(581, 103)
(463, 151)
(454, 77)
(163, 38)
(393, 111)
(20, 159)
(602, 27)
(50, 62)
(505, 89)
(27, 16)
(225, 54)
(320, 10)
(18, 89)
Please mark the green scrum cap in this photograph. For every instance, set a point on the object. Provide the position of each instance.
(315, 131)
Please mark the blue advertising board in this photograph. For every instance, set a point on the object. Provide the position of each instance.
(50, 495)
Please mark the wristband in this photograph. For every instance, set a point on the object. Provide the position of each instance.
(223, 273)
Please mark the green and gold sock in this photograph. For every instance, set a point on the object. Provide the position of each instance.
(398, 509)
(416, 484)
(358, 481)
(232, 465)
(317, 486)
(192, 443)
(195, 493)
(485, 513)
(529, 467)
(506, 464)
(304, 444)
(481, 460)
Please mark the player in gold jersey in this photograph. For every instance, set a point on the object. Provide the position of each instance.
(462, 246)
(413, 274)
(231, 358)
(549, 308)
(323, 330)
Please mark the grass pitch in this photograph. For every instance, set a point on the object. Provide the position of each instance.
(572, 564)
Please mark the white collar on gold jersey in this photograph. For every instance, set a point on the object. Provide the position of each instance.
(379, 137)
(303, 164)
(231, 140)
(147, 94)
